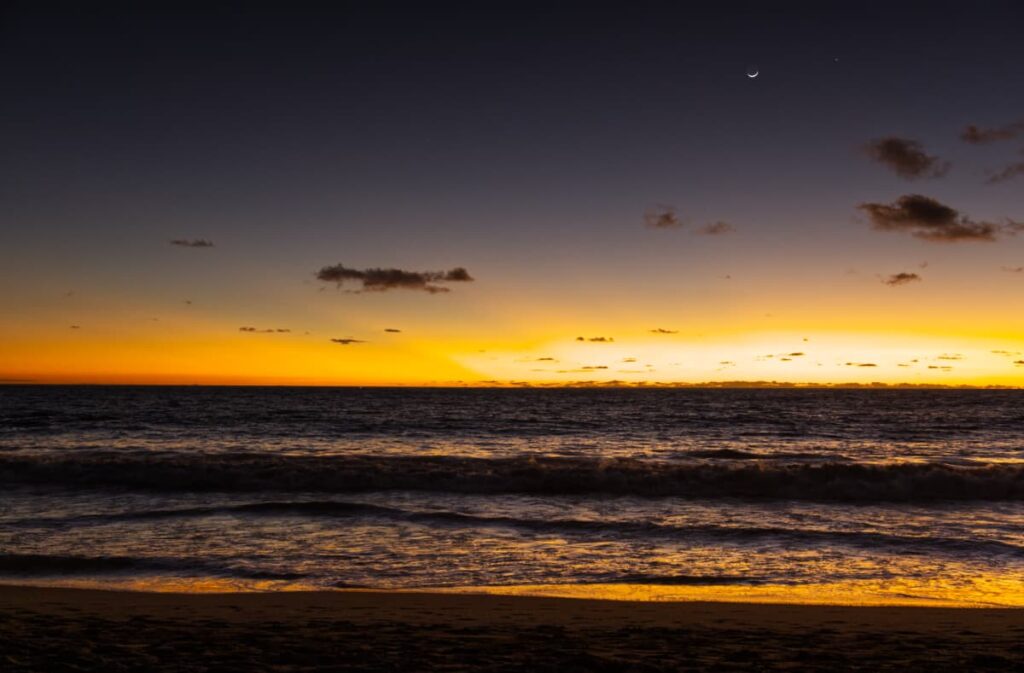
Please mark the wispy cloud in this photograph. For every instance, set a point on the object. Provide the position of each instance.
(660, 330)
(716, 228)
(663, 217)
(348, 341)
(256, 330)
(1007, 173)
(392, 330)
(382, 280)
(597, 339)
(861, 364)
(906, 158)
(901, 278)
(978, 135)
(925, 218)
(192, 243)
(666, 217)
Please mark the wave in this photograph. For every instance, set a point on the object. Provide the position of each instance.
(48, 565)
(255, 472)
(739, 454)
(585, 527)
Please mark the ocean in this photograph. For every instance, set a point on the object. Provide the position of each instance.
(878, 495)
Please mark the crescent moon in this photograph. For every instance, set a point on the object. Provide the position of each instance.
(753, 74)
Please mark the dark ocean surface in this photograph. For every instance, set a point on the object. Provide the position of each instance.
(898, 492)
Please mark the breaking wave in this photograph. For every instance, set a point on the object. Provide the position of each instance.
(586, 527)
(252, 472)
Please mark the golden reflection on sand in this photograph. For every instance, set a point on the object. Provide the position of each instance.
(985, 592)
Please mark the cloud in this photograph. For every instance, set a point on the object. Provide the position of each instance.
(861, 364)
(798, 354)
(1013, 269)
(1007, 173)
(663, 217)
(276, 330)
(193, 243)
(599, 339)
(659, 330)
(929, 220)
(348, 342)
(1019, 363)
(392, 330)
(901, 278)
(977, 136)
(382, 280)
(906, 158)
(716, 228)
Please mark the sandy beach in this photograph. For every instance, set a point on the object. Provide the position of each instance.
(53, 629)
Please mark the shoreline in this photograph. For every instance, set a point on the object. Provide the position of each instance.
(401, 630)
(1009, 594)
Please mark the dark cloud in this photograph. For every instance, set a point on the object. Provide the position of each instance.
(906, 158)
(901, 279)
(193, 243)
(597, 367)
(929, 220)
(75, 327)
(546, 360)
(716, 228)
(392, 330)
(1019, 363)
(275, 330)
(976, 135)
(348, 342)
(663, 217)
(382, 280)
(659, 330)
(861, 364)
(599, 339)
(1013, 269)
(796, 355)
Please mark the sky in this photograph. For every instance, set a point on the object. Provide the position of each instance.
(512, 193)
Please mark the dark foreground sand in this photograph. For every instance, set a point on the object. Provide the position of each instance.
(84, 630)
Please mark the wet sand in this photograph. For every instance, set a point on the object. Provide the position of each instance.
(48, 629)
